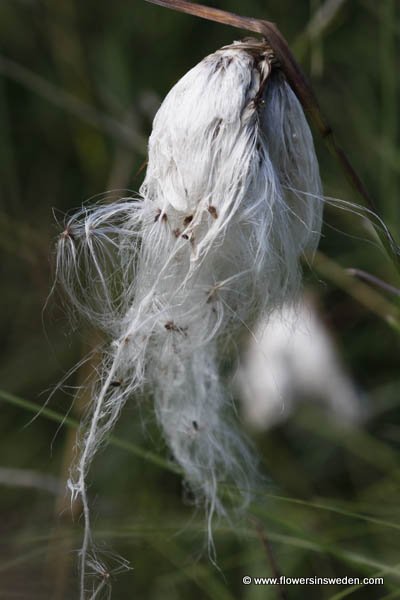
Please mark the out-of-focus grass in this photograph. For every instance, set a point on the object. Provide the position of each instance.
(78, 86)
(315, 535)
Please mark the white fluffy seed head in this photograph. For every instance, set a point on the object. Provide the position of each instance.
(230, 201)
(291, 360)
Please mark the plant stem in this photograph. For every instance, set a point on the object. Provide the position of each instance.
(364, 294)
(388, 71)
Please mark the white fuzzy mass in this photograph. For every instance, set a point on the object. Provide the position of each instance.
(231, 200)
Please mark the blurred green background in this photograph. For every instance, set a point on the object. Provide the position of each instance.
(79, 85)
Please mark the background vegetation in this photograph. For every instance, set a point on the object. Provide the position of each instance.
(79, 85)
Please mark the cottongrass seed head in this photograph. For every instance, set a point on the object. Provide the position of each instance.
(230, 201)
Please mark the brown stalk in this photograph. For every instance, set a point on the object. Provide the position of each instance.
(301, 87)
(375, 281)
(272, 562)
(60, 555)
(360, 291)
(60, 550)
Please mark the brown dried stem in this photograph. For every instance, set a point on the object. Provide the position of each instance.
(272, 562)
